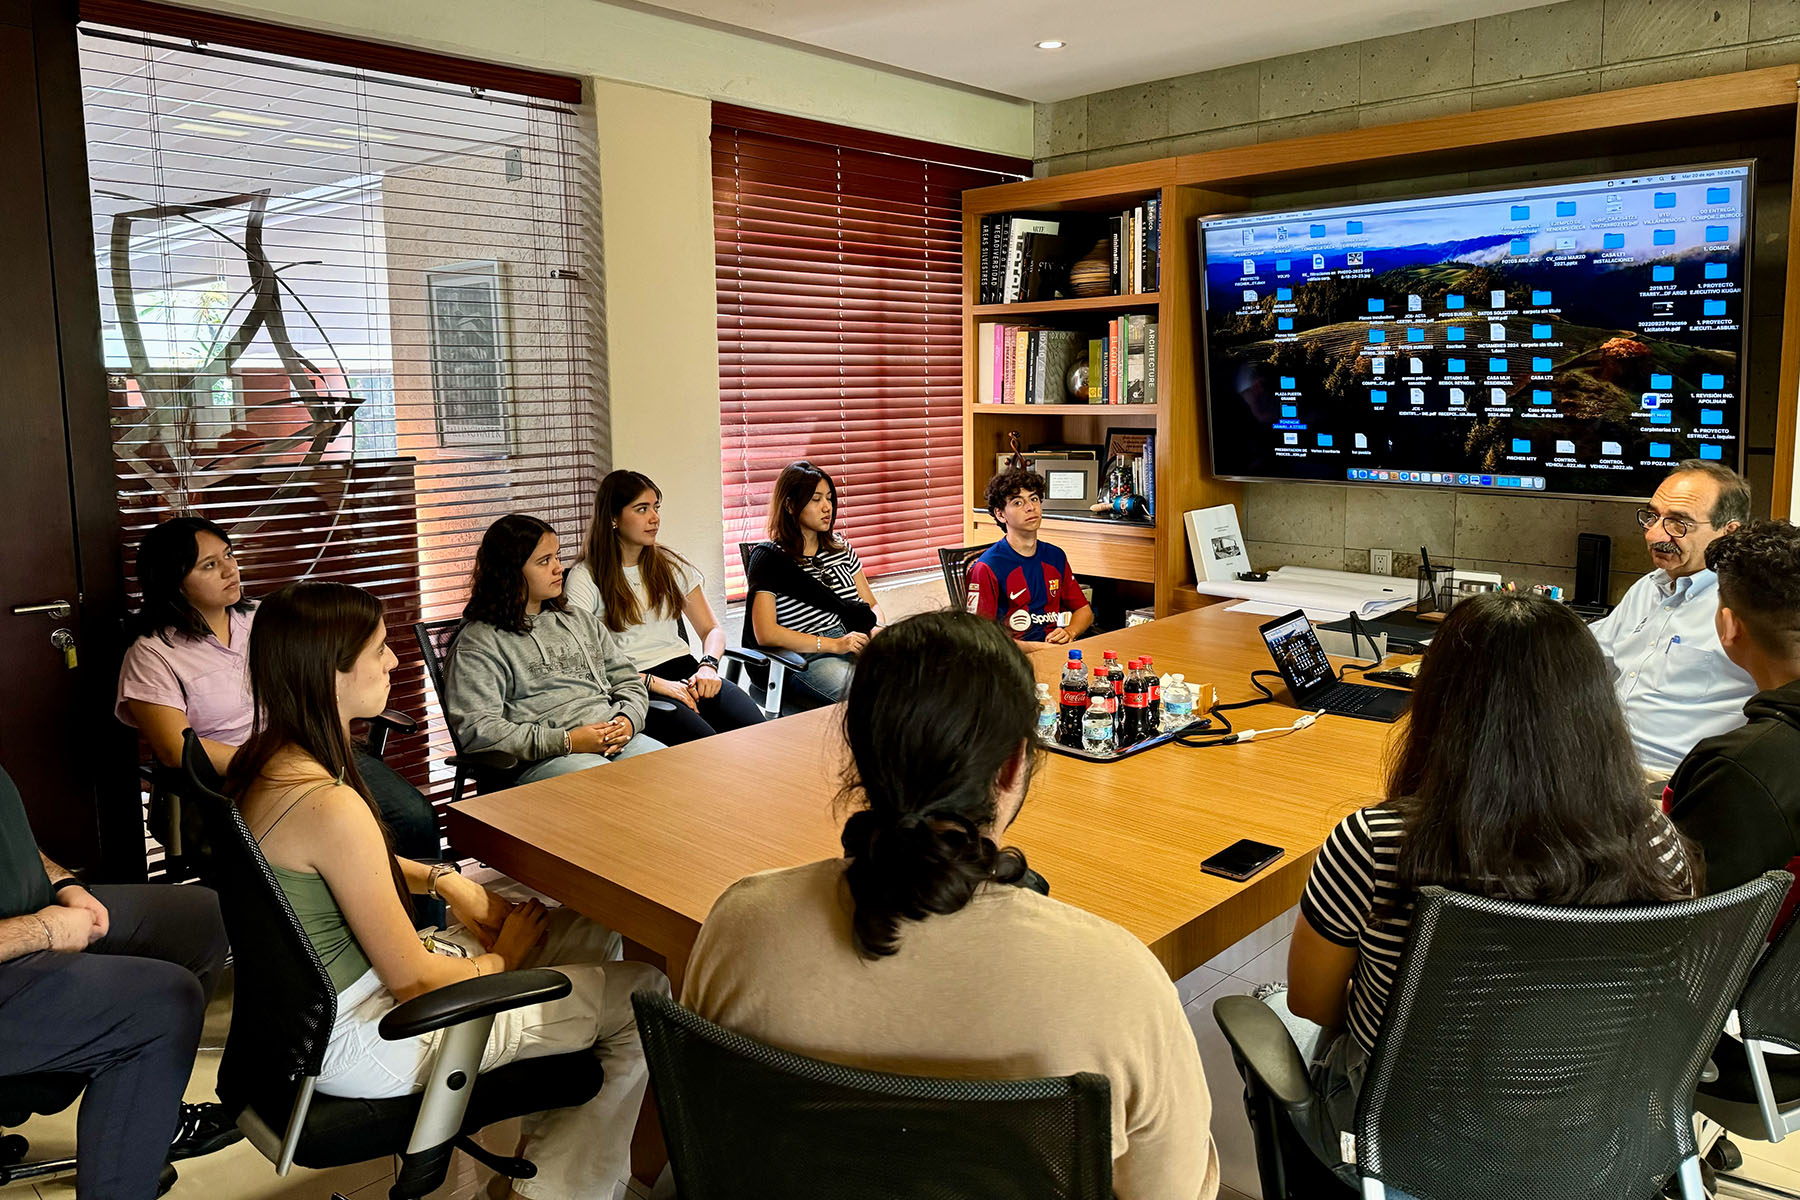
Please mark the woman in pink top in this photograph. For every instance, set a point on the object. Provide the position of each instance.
(189, 668)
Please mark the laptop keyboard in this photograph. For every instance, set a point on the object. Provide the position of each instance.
(1348, 697)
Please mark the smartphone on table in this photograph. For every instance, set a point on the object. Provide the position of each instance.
(1241, 859)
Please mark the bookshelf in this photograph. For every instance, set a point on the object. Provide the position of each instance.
(1682, 115)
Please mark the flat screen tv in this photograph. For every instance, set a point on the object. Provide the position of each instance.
(1572, 338)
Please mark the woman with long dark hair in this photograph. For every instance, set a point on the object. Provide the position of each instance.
(925, 949)
(529, 676)
(808, 592)
(188, 667)
(318, 660)
(1513, 777)
(641, 590)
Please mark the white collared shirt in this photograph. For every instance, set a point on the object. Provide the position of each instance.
(1673, 678)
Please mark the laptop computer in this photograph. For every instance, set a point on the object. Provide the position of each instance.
(1314, 685)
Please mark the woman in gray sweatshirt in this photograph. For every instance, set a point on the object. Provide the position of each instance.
(528, 676)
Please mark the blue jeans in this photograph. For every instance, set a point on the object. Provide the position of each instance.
(827, 676)
(568, 764)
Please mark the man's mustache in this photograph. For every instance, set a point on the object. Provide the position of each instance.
(1665, 547)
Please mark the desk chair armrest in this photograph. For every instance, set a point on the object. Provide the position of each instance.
(787, 658)
(482, 996)
(744, 654)
(1266, 1048)
(497, 760)
(388, 723)
(660, 705)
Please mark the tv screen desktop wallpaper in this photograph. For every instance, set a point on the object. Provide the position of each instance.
(1574, 338)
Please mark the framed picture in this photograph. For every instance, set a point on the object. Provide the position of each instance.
(466, 319)
(1071, 483)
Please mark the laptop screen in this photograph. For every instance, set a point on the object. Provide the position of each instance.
(1296, 651)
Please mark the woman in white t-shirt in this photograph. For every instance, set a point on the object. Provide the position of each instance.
(641, 590)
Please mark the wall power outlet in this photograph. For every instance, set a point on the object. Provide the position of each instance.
(1381, 562)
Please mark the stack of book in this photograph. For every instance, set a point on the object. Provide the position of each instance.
(1024, 364)
(1026, 256)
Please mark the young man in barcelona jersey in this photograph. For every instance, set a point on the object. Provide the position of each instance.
(1022, 582)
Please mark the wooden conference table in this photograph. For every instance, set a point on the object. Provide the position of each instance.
(646, 845)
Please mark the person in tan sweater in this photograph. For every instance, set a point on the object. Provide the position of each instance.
(926, 949)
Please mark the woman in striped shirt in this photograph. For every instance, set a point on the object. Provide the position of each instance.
(808, 592)
(1514, 778)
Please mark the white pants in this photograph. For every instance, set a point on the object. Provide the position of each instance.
(581, 1153)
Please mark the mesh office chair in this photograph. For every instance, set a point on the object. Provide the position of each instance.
(761, 671)
(491, 771)
(954, 562)
(1527, 1052)
(746, 1121)
(282, 1010)
(1757, 1096)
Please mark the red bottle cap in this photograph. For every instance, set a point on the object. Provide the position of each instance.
(1110, 654)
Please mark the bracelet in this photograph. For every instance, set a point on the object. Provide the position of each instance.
(567, 746)
(49, 942)
(438, 871)
(67, 881)
(818, 643)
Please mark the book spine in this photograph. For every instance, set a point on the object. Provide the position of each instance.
(1150, 363)
(1121, 347)
(985, 264)
(1015, 355)
(1015, 247)
(1096, 358)
(1118, 243)
(1040, 350)
(1150, 473)
(1153, 247)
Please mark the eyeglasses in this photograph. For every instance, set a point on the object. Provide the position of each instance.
(1675, 527)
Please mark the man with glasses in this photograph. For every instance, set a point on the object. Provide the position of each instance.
(1672, 676)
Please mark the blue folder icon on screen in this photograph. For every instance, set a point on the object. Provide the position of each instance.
(1663, 237)
(1714, 452)
(1662, 274)
(1540, 297)
(1496, 366)
(1715, 270)
(1415, 335)
(1352, 226)
(1454, 333)
(1378, 395)
(1662, 416)
(1521, 245)
(1718, 195)
(1377, 305)
(1289, 411)
(1565, 208)
(1540, 331)
(1284, 322)
(1540, 364)
(1712, 383)
(1453, 301)
(1377, 335)
(1318, 231)
(1612, 241)
(1521, 212)
(1712, 308)
(1287, 383)
(1712, 416)
(1284, 293)
(1662, 383)
(1456, 366)
(1521, 445)
(1324, 439)
(1659, 449)
(1718, 233)
(1540, 396)
(1663, 199)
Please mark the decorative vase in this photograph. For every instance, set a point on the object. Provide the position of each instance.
(1091, 275)
(1076, 382)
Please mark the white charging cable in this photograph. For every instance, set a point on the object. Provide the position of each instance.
(1250, 735)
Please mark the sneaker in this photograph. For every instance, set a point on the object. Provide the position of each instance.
(204, 1128)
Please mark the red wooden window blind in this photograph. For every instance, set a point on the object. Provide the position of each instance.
(839, 258)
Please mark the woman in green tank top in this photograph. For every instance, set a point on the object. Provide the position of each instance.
(319, 660)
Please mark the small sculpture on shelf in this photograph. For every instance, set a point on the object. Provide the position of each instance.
(1091, 275)
(1075, 383)
(1119, 499)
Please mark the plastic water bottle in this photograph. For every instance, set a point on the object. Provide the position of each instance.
(1046, 723)
(1097, 728)
(1177, 703)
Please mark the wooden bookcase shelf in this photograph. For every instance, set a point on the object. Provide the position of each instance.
(1685, 114)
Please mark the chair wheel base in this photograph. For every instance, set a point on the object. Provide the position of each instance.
(1724, 1155)
(13, 1149)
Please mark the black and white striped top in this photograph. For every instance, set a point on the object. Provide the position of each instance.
(837, 570)
(1356, 872)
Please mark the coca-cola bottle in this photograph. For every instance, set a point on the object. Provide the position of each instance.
(1072, 703)
(1115, 675)
(1136, 727)
(1155, 682)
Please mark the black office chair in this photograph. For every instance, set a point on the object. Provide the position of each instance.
(761, 670)
(282, 1012)
(1755, 1095)
(25, 1096)
(954, 562)
(491, 771)
(746, 1121)
(1526, 1051)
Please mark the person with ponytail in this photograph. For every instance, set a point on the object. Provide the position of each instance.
(319, 660)
(929, 948)
(640, 590)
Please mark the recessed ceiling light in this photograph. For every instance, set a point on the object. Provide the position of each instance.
(250, 118)
(201, 127)
(367, 133)
(1052, 44)
(323, 145)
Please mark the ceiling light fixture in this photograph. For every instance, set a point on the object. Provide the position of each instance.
(367, 133)
(1052, 44)
(250, 118)
(322, 145)
(201, 127)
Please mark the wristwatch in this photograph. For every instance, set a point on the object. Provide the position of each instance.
(67, 881)
(707, 660)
